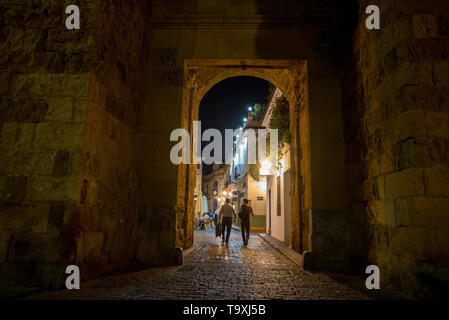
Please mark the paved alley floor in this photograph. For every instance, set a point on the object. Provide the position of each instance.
(211, 271)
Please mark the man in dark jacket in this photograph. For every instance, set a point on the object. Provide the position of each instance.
(244, 215)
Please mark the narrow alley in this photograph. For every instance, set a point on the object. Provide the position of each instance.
(211, 271)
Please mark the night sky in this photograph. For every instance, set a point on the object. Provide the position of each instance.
(226, 104)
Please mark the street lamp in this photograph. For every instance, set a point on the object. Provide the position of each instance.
(250, 109)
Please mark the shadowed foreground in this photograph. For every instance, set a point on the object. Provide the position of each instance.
(211, 271)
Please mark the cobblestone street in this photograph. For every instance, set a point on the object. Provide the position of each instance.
(211, 271)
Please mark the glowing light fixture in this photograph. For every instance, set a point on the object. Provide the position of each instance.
(250, 109)
(265, 168)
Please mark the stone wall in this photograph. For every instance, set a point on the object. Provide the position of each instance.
(109, 199)
(86, 116)
(397, 145)
(72, 151)
(44, 82)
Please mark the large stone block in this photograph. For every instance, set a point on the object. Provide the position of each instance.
(73, 85)
(32, 218)
(55, 215)
(408, 182)
(382, 163)
(16, 163)
(437, 181)
(79, 110)
(14, 40)
(28, 109)
(15, 217)
(412, 153)
(433, 212)
(33, 40)
(59, 109)
(373, 189)
(59, 136)
(41, 163)
(74, 41)
(423, 50)
(40, 215)
(381, 212)
(414, 243)
(405, 214)
(405, 126)
(17, 135)
(51, 188)
(13, 189)
(421, 211)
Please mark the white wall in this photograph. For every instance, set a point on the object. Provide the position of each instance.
(278, 223)
(257, 189)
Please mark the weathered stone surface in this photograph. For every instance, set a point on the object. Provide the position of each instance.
(400, 117)
(59, 109)
(437, 181)
(424, 26)
(56, 136)
(18, 135)
(44, 81)
(85, 118)
(404, 183)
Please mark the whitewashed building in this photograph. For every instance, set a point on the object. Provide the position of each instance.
(242, 185)
(278, 204)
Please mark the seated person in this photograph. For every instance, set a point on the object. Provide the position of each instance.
(203, 220)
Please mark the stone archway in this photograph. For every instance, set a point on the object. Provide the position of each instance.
(291, 77)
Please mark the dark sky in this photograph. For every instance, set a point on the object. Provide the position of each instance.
(226, 104)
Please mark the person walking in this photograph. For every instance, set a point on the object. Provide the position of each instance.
(226, 216)
(244, 215)
(215, 219)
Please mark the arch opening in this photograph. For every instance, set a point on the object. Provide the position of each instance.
(290, 77)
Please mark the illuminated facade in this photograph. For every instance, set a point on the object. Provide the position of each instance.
(242, 185)
(213, 187)
(278, 204)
